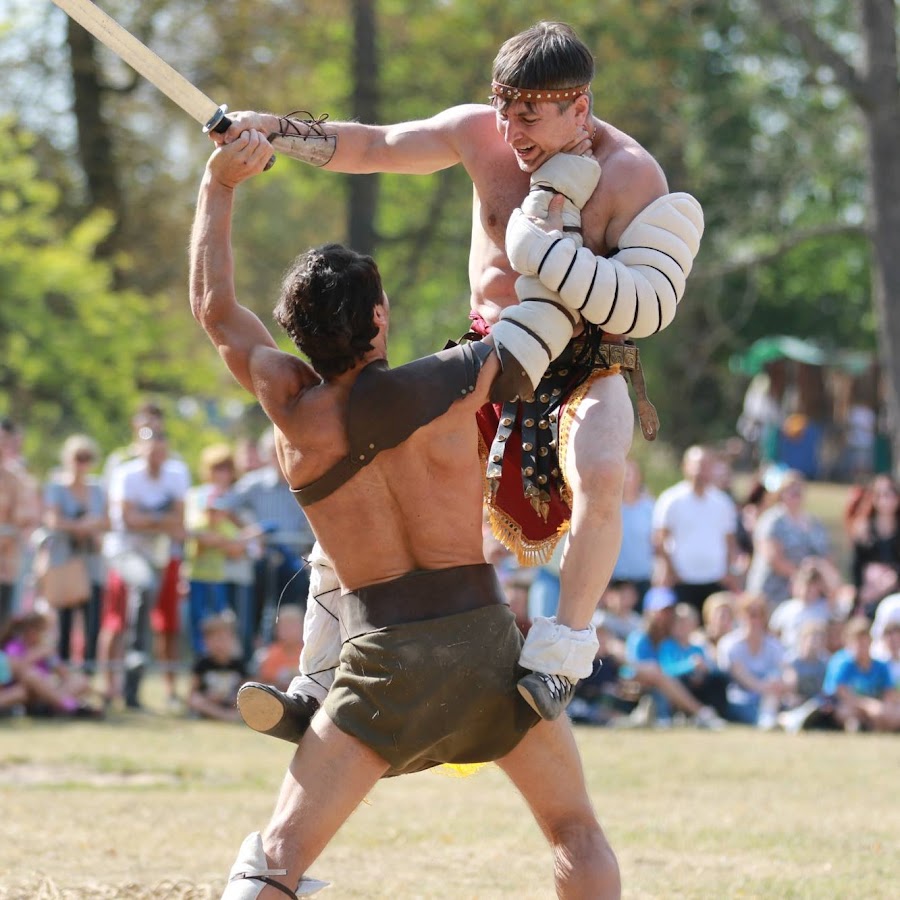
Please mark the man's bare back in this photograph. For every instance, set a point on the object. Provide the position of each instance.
(413, 507)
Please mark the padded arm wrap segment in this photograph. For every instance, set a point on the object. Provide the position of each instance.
(535, 330)
(636, 291)
(575, 177)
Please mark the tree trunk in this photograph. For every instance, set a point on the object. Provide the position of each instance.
(874, 90)
(94, 138)
(882, 112)
(363, 196)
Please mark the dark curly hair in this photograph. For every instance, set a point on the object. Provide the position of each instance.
(328, 296)
(547, 55)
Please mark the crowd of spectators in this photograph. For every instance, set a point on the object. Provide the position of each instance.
(721, 609)
(727, 609)
(186, 575)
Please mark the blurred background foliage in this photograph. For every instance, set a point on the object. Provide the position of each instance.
(96, 209)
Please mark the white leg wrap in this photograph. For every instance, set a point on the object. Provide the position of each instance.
(558, 650)
(251, 860)
(321, 632)
(536, 330)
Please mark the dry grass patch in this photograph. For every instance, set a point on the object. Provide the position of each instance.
(156, 807)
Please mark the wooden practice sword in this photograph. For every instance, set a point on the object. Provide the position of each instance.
(144, 61)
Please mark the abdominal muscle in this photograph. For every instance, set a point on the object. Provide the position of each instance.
(491, 278)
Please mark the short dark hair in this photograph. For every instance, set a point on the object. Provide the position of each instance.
(328, 296)
(547, 55)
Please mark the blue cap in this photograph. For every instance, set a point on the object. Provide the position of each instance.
(659, 597)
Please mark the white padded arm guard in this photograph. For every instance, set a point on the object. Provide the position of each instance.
(634, 292)
(575, 177)
(536, 330)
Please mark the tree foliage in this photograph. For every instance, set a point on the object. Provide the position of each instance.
(75, 353)
(769, 143)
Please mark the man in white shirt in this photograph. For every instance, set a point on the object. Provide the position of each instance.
(694, 525)
(146, 511)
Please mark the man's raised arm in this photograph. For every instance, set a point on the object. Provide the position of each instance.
(235, 331)
(408, 148)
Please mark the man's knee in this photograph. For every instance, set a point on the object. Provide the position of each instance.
(584, 857)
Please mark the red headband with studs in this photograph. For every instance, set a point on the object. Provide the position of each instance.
(533, 95)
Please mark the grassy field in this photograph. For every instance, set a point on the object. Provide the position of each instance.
(155, 807)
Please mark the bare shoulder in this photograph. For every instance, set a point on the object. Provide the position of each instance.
(469, 123)
(280, 380)
(631, 178)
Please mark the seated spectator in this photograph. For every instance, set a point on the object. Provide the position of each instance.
(27, 643)
(617, 610)
(278, 663)
(861, 688)
(809, 603)
(516, 584)
(754, 660)
(888, 650)
(805, 665)
(12, 694)
(784, 536)
(599, 698)
(682, 658)
(886, 634)
(879, 580)
(662, 691)
(873, 527)
(719, 619)
(218, 674)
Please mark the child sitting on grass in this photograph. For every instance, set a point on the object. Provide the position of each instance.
(36, 676)
(218, 674)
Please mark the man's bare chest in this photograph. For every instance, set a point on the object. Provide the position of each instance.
(499, 195)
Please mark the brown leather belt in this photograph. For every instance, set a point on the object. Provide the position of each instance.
(419, 596)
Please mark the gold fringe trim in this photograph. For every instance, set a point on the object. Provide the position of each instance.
(504, 528)
(509, 532)
(527, 552)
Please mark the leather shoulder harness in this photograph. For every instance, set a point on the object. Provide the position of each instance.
(388, 405)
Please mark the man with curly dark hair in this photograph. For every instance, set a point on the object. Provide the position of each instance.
(385, 463)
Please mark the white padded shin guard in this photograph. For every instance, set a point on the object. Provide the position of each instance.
(559, 650)
(536, 330)
(321, 633)
(251, 860)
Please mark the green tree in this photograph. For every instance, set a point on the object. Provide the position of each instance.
(76, 354)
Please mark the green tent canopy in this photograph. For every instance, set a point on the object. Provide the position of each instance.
(767, 349)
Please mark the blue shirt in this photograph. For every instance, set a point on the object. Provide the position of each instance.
(635, 562)
(677, 660)
(638, 649)
(265, 496)
(843, 670)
